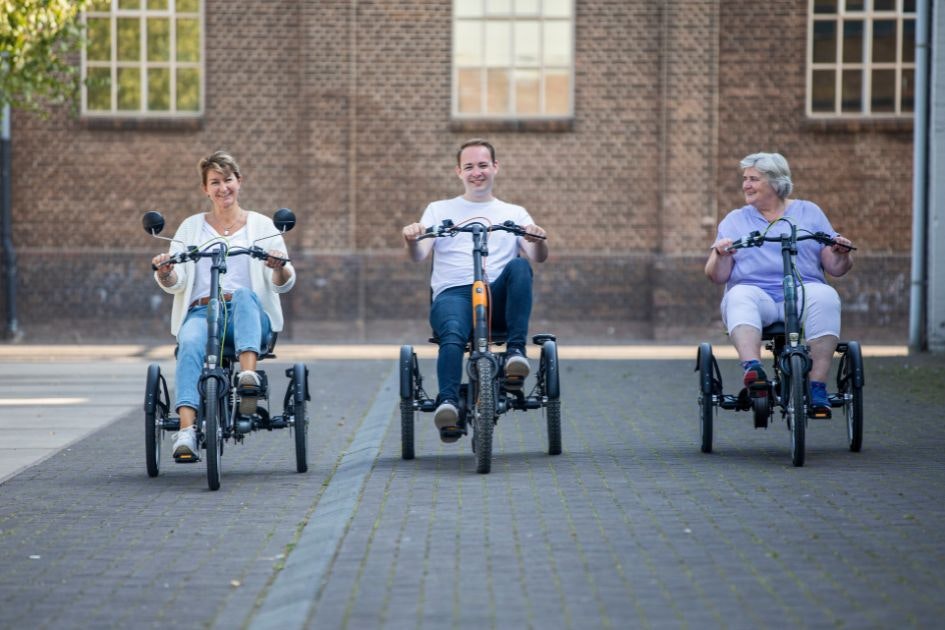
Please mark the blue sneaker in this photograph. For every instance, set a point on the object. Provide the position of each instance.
(819, 402)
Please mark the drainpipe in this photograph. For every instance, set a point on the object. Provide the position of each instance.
(6, 221)
(920, 139)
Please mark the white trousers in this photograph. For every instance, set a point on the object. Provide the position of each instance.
(749, 305)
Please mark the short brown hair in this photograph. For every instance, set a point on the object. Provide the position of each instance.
(218, 161)
(475, 142)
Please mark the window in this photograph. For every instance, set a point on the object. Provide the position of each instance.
(513, 58)
(861, 58)
(143, 58)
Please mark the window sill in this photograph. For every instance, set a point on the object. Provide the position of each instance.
(859, 124)
(475, 125)
(132, 123)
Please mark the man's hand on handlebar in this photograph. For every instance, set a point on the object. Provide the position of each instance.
(533, 233)
(413, 231)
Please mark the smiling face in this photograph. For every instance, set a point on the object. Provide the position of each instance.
(223, 188)
(477, 172)
(758, 192)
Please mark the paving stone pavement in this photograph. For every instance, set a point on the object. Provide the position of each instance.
(632, 526)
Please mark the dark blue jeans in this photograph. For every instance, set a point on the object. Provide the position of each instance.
(452, 319)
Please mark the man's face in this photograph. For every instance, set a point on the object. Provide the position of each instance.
(478, 171)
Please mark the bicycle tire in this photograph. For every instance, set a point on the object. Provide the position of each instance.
(706, 407)
(484, 415)
(552, 389)
(156, 410)
(212, 436)
(300, 416)
(408, 367)
(797, 413)
(851, 386)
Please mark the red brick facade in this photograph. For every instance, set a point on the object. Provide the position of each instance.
(341, 111)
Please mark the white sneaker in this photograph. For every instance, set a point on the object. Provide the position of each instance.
(446, 417)
(516, 370)
(248, 387)
(185, 445)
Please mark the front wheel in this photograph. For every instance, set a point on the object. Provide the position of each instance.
(213, 428)
(796, 412)
(552, 390)
(706, 404)
(484, 416)
(300, 415)
(408, 371)
(850, 384)
(156, 411)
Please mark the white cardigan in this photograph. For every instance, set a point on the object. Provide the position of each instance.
(257, 226)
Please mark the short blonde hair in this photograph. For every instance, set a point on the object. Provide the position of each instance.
(218, 161)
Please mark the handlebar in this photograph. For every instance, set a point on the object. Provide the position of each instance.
(447, 228)
(757, 239)
(194, 253)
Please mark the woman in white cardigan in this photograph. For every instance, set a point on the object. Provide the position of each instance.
(250, 287)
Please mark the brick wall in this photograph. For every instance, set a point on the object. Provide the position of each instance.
(346, 119)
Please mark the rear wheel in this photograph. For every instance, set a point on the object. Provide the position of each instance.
(796, 412)
(484, 416)
(300, 415)
(213, 433)
(552, 390)
(850, 382)
(408, 368)
(156, 410)
(707, 408)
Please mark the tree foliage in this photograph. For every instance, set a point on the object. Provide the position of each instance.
(37, 42)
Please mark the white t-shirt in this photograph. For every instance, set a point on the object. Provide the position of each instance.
(452, 257)
(237, 268)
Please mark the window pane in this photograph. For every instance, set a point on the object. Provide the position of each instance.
(466, 8)
(557, 8)
(825, 6)
(853, 41)
(557, 44)
(498, 7)
(100, 5)
(883, 91)
(823, 91)
(188, 39)
(884, 41)
(854, 5)
(497, 95)
(467, 49)
(99, 89)
(908, 6)
(129, 4)
(825, 41)
(851, 100)
(526, 43)
(129, 89)
(498, 43)
(188, 6)
(557, 92)
(159, 39)
(129, 39)
(99, 34)
(470, 90)
(527, 94)
(157, 5)
(188, 89)
(908, 41)
(908, 90)
(884, 5)
(526, 7)
(159, 89)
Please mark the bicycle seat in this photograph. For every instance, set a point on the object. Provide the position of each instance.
(774, 330)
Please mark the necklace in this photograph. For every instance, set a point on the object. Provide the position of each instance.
(226, 230)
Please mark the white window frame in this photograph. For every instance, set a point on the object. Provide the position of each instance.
(143, 64)
(866, 66)
(510, 18)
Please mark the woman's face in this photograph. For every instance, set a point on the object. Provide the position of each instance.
(758, 192)
(222, 188)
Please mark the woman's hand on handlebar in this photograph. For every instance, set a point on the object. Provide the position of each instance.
(841, 245)
(275, 259)
(723, 247)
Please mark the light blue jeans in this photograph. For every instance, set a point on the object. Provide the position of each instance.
(244, 325)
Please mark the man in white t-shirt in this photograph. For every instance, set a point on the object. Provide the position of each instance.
(509, 276)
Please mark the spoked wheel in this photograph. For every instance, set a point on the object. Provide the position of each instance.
(484, 416)
(552, 390)
(300, 415)
(850, 385)
(408, 368)
(156, 411)
(213, 433)
(707, 410)
(796, 412)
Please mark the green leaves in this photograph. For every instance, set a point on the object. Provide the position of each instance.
(38, 39)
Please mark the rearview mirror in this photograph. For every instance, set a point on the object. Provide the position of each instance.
(284, 219)
(152, 222)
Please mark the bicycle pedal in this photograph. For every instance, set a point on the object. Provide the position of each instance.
(820, 413)
(186, 458)
(514, 382)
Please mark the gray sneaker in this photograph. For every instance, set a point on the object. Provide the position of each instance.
(248, 386)
(446, 418)
(516, 369)
(185, 446)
